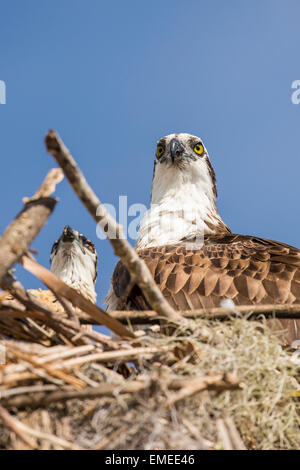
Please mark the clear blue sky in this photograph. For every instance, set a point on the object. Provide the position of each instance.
(113, 77)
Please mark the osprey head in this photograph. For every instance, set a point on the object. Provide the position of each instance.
(182, 159)
(74, 260)
(184, 193)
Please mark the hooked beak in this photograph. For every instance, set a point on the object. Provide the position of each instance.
(176, 149)
(68, 234)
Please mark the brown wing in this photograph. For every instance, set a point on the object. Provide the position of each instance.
(246, 269)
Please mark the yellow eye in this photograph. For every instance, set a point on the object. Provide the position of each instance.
(199, 149)
(160, 150)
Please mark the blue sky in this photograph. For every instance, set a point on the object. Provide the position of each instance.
(113, 77)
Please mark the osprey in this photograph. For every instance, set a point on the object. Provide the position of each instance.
(74, 260)
(193, 256)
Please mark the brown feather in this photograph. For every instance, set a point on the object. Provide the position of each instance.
(248, 270)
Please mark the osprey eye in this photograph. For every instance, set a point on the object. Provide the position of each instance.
(159, 150)
(198, 149)
(89, 245)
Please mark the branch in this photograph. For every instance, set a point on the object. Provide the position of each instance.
(287, 311)
(28, 223)
(105, 389)
(138, 270)
(17, 427)
(37, 309)
(24, 431)
(218, 383)
(48, 186)
(63, 290)
(228, 435)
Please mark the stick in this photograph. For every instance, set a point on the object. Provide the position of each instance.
(63, 290)
(105, 389)
(228, 435)
(138, 270)
(55, 176)
(28, 223)
(69, 379)
(223, 435)
(217, 313)
(234, 434)
(36, 308)
(18, 427)
(121, 355)
(25, 390)
(219, 383)
(24, 432)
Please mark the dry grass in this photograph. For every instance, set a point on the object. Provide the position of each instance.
(144, 410)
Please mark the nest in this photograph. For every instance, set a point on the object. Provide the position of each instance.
(184, 383)
(208, 385)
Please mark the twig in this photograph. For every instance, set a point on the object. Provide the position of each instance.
(228, 435)
(223, 435)
(234, 434)
(18, 427)
(121, 355)
(63, 290)
(68, 352)
(217, 313)
(24, 432)
(219, 383)
(204, 444)
(111, 438)
(67, 308)
(26, 226)
(36, 308)
(78, 384)
(105, 389)
(56, 321)
(55, 176)
(138, 270)
(29, 389)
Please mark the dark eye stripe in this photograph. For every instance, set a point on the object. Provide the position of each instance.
(87, 242)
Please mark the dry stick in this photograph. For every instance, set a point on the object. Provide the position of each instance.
(121, 356)
(10, 284)
(48, 186)
(219, 383)
(111, 438)
(78, 384)
(223, 435)
(217, 313)
(105, 389)
(28, 223)
(17, 427)
(63, 290)
(67, 353)
(204, 444)
(24, 432)
(138, 270)
(55, 320)
(234, 434)
(27, 389)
